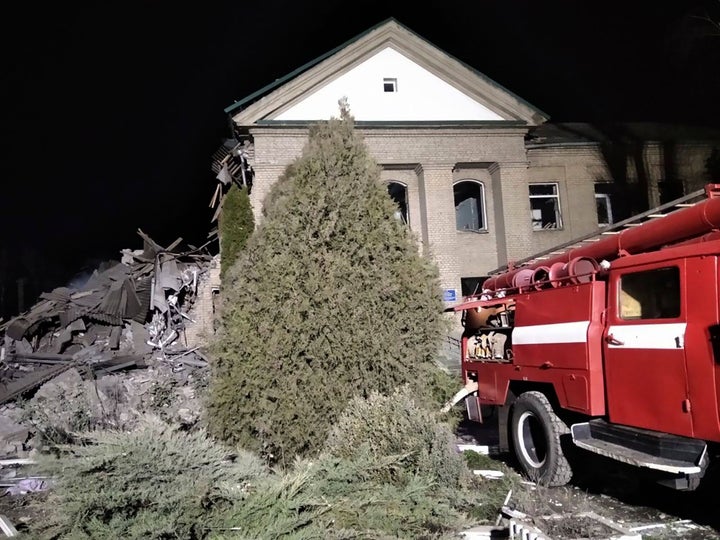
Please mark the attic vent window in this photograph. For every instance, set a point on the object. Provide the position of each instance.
(390, 85)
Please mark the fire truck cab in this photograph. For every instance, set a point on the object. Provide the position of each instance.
(610, 344)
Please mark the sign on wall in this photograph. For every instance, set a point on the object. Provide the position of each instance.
(450, 295)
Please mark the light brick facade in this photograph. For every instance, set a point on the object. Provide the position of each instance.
(429, 161)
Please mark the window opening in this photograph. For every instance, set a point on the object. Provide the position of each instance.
(604, 209)
(652, 294)
(472, 285)
(398, 193)
(390, 85)
(545, 207)
(469, 206)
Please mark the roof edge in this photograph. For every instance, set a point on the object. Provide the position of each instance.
(402, 123)
(306, 66)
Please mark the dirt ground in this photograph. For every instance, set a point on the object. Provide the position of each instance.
(20, 511)
(603, 491)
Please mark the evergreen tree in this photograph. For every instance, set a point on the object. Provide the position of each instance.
(236, 226)
(330, 300)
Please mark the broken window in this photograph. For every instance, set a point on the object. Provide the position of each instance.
(398, 193)
(670, 190)
(545, 207)
(472, 285)
(652, 294)
(604, 209)
(469, 205)
(603, 204)
(389, 85)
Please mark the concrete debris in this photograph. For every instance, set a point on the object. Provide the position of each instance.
(127, 309)
(489, 474)
(28, 485)
(74, 357)
(7, 527)
(479, 448)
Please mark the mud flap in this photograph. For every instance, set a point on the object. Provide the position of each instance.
(472, 404)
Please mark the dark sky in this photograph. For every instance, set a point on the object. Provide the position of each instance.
(111, 113)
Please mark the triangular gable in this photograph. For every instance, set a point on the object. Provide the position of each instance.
(413, 94)
(432, 86)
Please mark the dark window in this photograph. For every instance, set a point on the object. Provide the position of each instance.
(398, 193)
(472, 285)
(469, 206)
(670, 190)
(652, 294)
(390, 85)
(603, 203)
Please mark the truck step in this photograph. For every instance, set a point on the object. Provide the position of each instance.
(641, 447)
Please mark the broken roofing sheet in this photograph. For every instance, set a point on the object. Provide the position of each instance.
(123, 313)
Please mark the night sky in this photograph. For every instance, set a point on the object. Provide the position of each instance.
(111, 113)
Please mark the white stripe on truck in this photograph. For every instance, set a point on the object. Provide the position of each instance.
(648, 336)
(631, 336)
(568, 332)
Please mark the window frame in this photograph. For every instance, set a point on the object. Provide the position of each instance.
(558, 208)
(390, 82)
(656, 298)
(608, 209)
(483, 221)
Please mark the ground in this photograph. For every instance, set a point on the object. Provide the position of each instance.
(602, 491)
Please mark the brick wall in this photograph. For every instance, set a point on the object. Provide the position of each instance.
(199, 332)
(429, 161)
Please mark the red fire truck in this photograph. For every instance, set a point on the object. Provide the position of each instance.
(610, 343)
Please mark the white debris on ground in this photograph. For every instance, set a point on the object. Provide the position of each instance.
(569, 513)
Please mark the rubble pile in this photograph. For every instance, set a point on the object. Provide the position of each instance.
(77, 342)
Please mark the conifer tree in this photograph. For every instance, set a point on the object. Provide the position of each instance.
(330, 300)
(236, 226)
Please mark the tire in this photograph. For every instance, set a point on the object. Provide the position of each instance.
(536, 435)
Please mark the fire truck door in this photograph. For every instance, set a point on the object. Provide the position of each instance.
(645, 367)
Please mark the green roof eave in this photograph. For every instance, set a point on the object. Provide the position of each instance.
(303, 68)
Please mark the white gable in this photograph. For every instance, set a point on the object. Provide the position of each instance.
(419, 95)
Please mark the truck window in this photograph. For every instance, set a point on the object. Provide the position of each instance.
(652, 294)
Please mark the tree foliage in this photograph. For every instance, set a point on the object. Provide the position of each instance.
(154, 482)
(331, 299)
(395, 425)
(236, 226)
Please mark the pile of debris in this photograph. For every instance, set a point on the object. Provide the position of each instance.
(128, 314)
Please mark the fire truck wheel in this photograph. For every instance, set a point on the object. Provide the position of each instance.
(536, 431)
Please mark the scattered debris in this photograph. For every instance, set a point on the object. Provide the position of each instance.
(72, 361)
(28, 485)
(489, 473)
(485, 532)
(479, 448)
(123, 313)
(7, 527)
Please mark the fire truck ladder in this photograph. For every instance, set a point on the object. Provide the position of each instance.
(655, 213)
